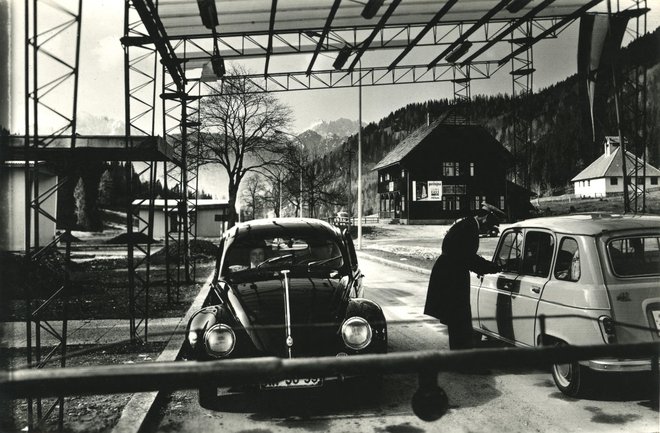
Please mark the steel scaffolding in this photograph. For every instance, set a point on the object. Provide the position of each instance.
(41, 45)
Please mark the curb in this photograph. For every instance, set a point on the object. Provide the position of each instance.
(393, 263)
(135, 413)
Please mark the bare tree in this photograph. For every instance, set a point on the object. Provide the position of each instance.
(238, 131)
(253, 195)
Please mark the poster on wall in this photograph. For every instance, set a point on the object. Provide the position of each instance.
(427, 190)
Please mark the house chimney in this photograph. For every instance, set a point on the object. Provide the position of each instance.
(611, 143)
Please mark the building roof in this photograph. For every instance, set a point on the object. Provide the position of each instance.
(439, 128)
(610, 166)
(592, 224)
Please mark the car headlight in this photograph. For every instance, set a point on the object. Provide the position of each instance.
(219, 340)
(356, 333)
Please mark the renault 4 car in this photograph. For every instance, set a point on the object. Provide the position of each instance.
(595, 278)
(287, 288)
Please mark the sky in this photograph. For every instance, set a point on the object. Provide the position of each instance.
(101, 74)
(101, 82)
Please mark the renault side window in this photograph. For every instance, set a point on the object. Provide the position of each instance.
(509, 254)
(539, 247)
(567, 265)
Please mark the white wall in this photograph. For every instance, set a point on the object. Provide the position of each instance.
(207, 226)
(591, 188)
(12, 209)
(206, 223)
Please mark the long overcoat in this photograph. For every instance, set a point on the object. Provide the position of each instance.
(448, 295)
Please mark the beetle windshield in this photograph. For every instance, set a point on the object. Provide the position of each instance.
(635, 256)
(270, 253)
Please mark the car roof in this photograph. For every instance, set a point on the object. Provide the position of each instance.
(592, 224)
(260, 228)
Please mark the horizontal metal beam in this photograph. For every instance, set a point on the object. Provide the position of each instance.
(154, 376)
(332, 79)
(403, 37)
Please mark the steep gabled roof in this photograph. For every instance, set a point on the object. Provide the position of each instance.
(610, 166)
(441, 128)
(407, 145)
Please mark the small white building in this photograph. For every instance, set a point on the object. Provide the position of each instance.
(211, 216)
(12, 207)
(605, 175)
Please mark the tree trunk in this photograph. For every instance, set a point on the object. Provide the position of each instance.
(232, 216)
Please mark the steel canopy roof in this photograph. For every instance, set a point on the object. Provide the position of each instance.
(385, 49)
(181, 18)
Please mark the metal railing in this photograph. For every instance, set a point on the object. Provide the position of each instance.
(170, 376)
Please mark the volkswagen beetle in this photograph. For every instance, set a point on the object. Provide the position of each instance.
(287, 288)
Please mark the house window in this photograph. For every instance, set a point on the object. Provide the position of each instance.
(614, 181)
(502, 202)
(654, 180)
(380, 178)
(472, 169)
(451, 202)
(478, 199)
(403, 174)
(387, 177)
(589, 183)
(450, 169)
(403, 203)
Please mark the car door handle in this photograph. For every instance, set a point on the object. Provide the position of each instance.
(536, 289)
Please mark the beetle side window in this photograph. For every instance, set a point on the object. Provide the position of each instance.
(509, 254)
(567, 266)
(351, 249)
(539, 247)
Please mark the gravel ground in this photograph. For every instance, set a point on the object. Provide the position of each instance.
(415, 245)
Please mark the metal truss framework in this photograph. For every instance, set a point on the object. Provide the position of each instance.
(44, 45)
(140, 63)
(368, 76)
(180, 118)
(522, 75)
(632, 120)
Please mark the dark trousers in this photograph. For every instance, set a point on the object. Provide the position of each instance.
(460, 334)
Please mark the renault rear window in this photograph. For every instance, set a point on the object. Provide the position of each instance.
(635, 256)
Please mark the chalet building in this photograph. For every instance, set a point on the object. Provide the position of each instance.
(443, 171)
(605, 175)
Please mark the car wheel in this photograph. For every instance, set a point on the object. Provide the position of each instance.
(570, 378)
(207, 396)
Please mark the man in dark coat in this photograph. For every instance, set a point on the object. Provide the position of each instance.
(448, 296)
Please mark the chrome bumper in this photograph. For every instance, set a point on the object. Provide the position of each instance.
(619, 365)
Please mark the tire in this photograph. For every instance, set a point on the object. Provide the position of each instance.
(207, 396)
(570, 378)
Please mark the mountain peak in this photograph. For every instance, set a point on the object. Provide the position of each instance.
(341, 127)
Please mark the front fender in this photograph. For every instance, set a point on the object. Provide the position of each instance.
(372, 313)
(197, 326)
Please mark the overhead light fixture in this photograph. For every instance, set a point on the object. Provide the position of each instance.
(217, 62)
(342, 57)
(218, 65)
(371, 8)
(458, 52)
(517, 5)
(208, 13)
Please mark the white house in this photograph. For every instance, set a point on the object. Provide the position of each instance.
(12, 207)
(211, 216)
(605, 175)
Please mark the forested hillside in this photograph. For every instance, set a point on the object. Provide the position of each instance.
(562, 142)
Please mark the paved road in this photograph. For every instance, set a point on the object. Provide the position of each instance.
(511, 401)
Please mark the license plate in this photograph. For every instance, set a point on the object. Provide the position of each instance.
(294, 383)
(656, 317)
